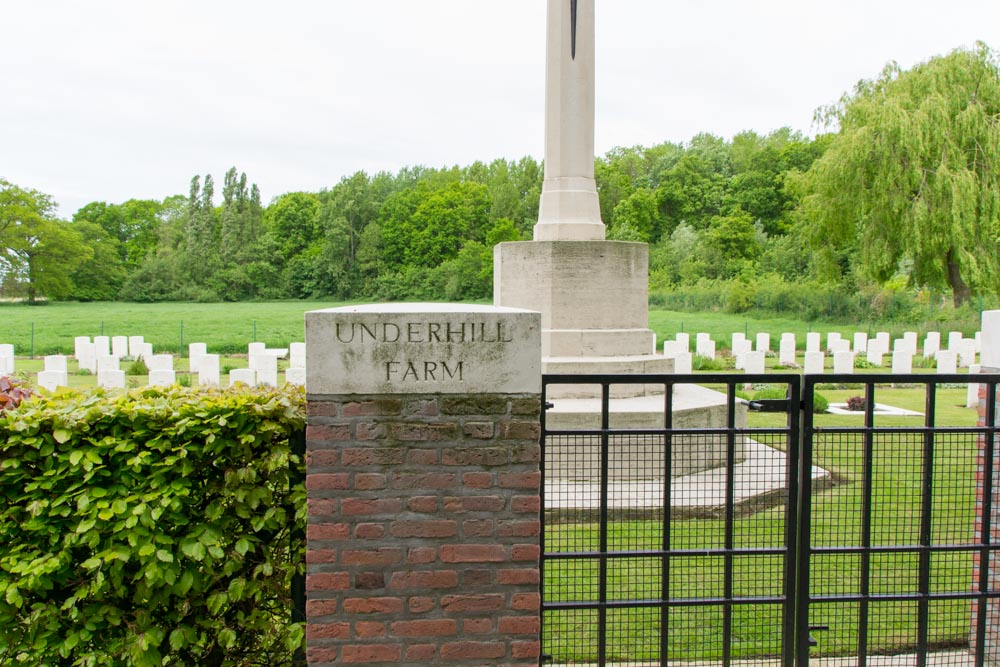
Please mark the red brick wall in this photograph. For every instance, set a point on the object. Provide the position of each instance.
(423, 536)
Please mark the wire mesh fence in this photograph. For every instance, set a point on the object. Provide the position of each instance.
(673, 540)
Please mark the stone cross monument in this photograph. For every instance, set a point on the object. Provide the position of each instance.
(569, 210)
(592, 293)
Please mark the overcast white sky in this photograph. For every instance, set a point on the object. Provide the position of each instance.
(117, 99)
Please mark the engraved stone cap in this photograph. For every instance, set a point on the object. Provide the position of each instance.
(423, 348)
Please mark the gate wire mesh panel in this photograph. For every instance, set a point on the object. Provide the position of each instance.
(892, 544)
(663, 543)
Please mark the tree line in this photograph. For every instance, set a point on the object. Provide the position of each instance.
(902, 187)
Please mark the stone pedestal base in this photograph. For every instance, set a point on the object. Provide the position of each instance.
(593, 295)
(693, 407)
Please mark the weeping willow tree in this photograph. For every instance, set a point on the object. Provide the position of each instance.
(913, 175)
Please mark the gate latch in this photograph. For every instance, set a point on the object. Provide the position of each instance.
(815, 628)
(769, 405)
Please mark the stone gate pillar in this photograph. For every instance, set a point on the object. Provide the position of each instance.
(423, 485)
(990, 363)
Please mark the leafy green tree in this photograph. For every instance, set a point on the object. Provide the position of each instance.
(201, 259)
(37, 250)
(134, 225)
(99, 277)
(914, 173)
(427, 226)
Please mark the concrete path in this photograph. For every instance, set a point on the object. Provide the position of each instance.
(761, 475)
(940, 659)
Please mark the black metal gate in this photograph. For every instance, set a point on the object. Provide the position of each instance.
(678, 528)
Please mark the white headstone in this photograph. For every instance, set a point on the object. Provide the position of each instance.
(86, 357)
(753, 363)
(135, 346)
(162, 378)
(262, 361)
(786, 350)
(208, 370)
(735, 341)
(902, 360)
(297, 356)
(256, 348)
(842, 345)
(6, 365)
(972, 393)
(78, 342)
(56, 362)
(670, 348)
(966, 352)
(813, 364)
(860, 342)
(763, 342)
(743, 346)
(953, 339)
(102, 346)
(884, 341)
(911, 340)
(160, 362)
(6, 350)
(683, 342)
(932, 343)
(990, 357)
(106, 362)
(832, 339)
(247, 376)
(979, 341)
(296, 376)
(119, 346)
(706, 348)
(111, 379)
(683, 363)
(874, 354)
(813, 339)
(843, 361)
(52, 380)
(947, 361)
(197, 349)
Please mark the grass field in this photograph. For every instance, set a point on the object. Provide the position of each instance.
(229, 327)
(224, 327)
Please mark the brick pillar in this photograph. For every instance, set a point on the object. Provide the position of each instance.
(990, 362)
(423, 492)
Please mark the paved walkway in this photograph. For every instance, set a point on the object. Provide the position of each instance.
(940, 659)
(761, 476)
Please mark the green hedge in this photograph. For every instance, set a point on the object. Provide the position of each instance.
(152, 527)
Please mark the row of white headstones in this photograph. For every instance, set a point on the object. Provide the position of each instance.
(750, 354)
(103, 356)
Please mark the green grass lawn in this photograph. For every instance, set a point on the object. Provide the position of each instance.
(224, 327)
(694, 632)
(228, 327)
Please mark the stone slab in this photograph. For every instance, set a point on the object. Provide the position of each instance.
(435, 348)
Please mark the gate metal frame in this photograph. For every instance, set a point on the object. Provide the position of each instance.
(800, 431)
(728, 551)
(926, 548)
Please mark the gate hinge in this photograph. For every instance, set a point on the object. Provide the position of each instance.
(770, 405)
(548, 405)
